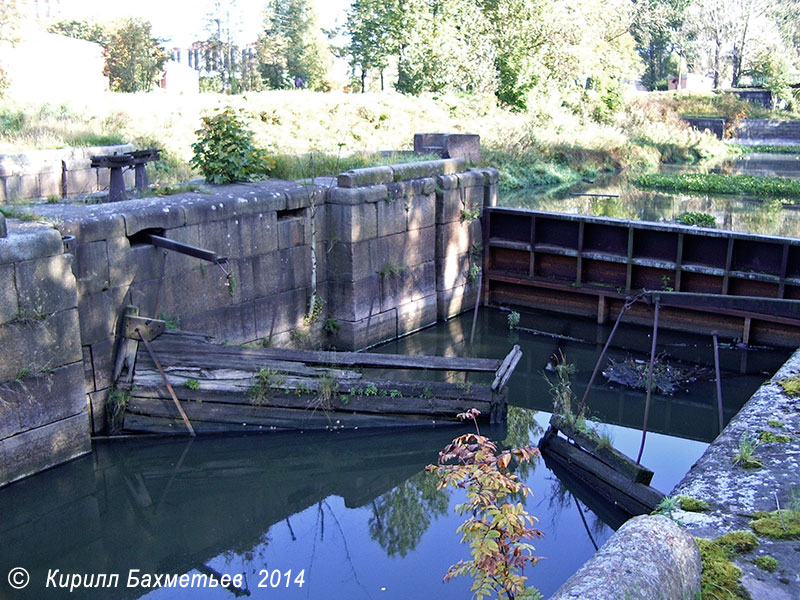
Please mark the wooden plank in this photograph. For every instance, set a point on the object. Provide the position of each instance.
(510, 371)
(326, 358)
(636, 498)
(238, 415)
(126, 353)
(610, 456)
(504, 367)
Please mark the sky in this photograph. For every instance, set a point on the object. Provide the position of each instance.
(182, 21)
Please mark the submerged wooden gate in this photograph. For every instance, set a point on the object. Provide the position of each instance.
(745, 286)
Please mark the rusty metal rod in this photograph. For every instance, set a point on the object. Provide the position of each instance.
(475, 310)
(160, 285)
(649, 382)
(167, 244)
(718, 378)
(167, 383)
(628, 303)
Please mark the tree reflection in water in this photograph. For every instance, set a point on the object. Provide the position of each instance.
(401, 517)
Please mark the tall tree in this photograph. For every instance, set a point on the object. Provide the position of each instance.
(221, 55)
(134, 58)
(82, 30)
(656, 27)
(291, 48)
(375, 29)
(9, 33)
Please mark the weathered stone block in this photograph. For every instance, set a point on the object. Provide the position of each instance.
(463, 145)
(355, 178)
(91, 267)
(301, 196)
(490, 174)
(22, 187)
(149, 213)
(43, 398)
(201, 289)
(354, 262)
(50, 185)
(3, 228)
(38, 449)
(279, 313)
(266, 273)
(8, 294)
(99, 314)
(472, 178)
(367, 332)
(97, 409)
(103, 356)
(415, 315)
(140, 262)
(392, 217)
(429, 143)
(459, 204)
(352, 223)
(454, 271)
(353, 301)
(340, 195)
(295, 268)
(27, 245)
(87, 224)
(88, 370)
(81, 182)
(457, 237)
(406, 249)
(258, 234)
(412, 283)
(491, 194)
(229, 324)
(46, 285)
(36, 345)
(452, 302)
(447, 182)
(428, 168)
(292, 231)
(420, 211)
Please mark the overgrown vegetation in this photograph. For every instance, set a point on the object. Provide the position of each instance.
(690, 504)
(116, 403)
(778, 524)
(767, 149)
(767, 563)
(262, 389)
(498, 530)
(716, 183)
(790, 385)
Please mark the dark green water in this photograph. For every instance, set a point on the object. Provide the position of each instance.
(352, 511)
(614, 196)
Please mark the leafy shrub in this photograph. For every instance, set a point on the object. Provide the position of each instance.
(224, 151)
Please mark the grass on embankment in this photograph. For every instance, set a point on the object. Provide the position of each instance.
(714, 183)
(766, 149)
(548, 145)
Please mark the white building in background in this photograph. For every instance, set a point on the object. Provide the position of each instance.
(692, 82)
(44, 66)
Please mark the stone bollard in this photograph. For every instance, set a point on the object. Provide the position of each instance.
(649, 557)
(3, 231)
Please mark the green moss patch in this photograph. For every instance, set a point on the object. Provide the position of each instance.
(720, 577)
(785, 526)
(775, 423)
(791, 385)
(737, 542)
(767, 563)
(768, 437)
(693, 504)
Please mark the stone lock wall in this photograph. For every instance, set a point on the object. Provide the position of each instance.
(43, 408)
(394, 250)
(61, 173)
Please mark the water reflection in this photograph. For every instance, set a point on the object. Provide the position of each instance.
(612, 195)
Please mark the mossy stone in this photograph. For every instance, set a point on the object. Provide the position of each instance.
(767, 563)
(785, 526)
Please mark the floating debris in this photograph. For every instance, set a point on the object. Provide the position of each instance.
(668, 377)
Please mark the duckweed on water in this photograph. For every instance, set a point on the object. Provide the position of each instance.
(716, 183)
(785, 526)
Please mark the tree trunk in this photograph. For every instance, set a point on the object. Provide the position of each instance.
(363, 80)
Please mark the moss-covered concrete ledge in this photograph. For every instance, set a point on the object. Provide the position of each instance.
(735, 493)
(648, 558)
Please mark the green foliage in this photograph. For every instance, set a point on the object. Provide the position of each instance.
(498, 530)
(513, 320)
(172, 323)
(192, 384)
(371, 390)
(317, 304)
(716, 183)
(224, 151)
(95, 139)
(116, 403)
(767, 563)
(667, 507)
(262, 388)
(561, 390)
(290, 46)
(82, 30)
(699, 219)
(327, 390)
(134, 58)
(331, 326)
(23, 215)
(291, 167)
(472, 274)
(767, 149)
(391, 269)
(395, 394)
(778, 525)
(468, 216)
(745, 457)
